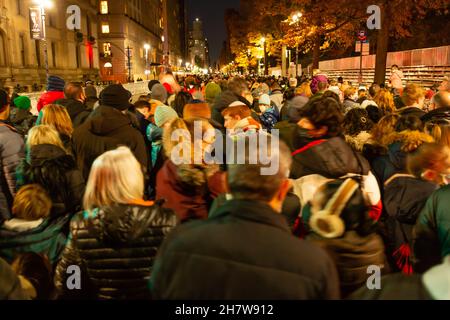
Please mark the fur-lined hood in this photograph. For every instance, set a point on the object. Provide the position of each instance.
(357, 142)
(410, 140)
(196, 175)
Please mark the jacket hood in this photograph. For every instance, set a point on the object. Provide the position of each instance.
(73, 107)
(106, 120)
(122, 224)
(403, 143)
(44, 152)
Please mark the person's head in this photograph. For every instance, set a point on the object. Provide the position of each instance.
(374, 89)
(362, 93)
(340, 80)
(197, 110)
(431, 162)
(4, 105)
(333, 95)
(31, 203)
(91, 92)
(75, 91)
(164, 115)
(394, 67)
(43, 134)
(293, 82)
(248, 181)
(55, 83)
(57, 116)
(445, 85)
(411, 123)
(35, 274)
(339, 206)
(350, 93)
(22, 102)
(413, 95)
(234, 113)
(181, 100)
(322, 86)
(440, 100)
(440, 131)
(116, 96)
(143, 107)
(239, 86)
(383, 130)
(355, 121)
(375, 114)
(184, 130)
(385, 101)
(116, 178)
(159, 93)
(264, 102)
(304, 90)
(322, 117)
(212, 91)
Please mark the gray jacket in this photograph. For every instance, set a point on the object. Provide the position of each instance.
(11, 153)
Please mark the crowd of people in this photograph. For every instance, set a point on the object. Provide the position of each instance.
(91, 181)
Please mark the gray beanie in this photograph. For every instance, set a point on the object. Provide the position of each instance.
(159, 93)
(295, 106)
(164, 114)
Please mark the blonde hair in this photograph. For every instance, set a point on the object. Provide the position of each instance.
(385, 101)
(44, 134)
(57, 117)
(31, 203)
(440, 133)
(304, 90)
(383, 133)
(116, 177)
(411, 94)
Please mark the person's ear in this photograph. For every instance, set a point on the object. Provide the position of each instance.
(429, 175)
(284, 189)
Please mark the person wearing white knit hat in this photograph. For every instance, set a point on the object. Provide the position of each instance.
(164, 114)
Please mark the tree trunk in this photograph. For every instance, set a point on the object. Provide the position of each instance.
(316, 53)
(382, 46)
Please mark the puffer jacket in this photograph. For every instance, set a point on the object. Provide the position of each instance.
(11, 153)
(353, 254)
(56, 171)
(432, 231)
(115, 248)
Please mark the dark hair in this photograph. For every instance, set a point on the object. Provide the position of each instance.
(324, 112)
(237, 85)
(374, 113)
(355, 121)
(322, 85)
(411, 123)
(38, 271)
(142, 104)
(181, 99)
(373, 90)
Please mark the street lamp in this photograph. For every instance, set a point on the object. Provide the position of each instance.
(147, 48)
(43, 4)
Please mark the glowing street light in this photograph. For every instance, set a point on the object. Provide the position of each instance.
(147, 48)
(43, 4)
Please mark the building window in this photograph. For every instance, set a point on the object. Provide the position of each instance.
(54, 54)
(104, 7)
(22, 49)
(107, 49)
(105, 27)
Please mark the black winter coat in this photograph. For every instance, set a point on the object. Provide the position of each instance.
(56, 171)
(106, 129)
(245, 250)
(77, 110)
(437, 114)
(115, 249)
(332, 158)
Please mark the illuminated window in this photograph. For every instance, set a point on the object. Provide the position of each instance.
(105, 28)
(107, 49)
(104, 7)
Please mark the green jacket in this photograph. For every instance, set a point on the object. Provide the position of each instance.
(49, 238)
(432, 231)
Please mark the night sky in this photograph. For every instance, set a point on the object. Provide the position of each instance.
(212, 13)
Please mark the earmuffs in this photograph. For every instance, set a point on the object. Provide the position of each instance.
(327, 222)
